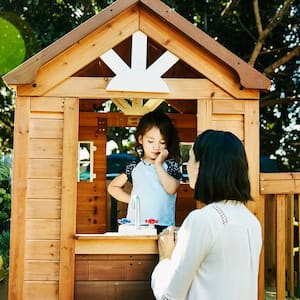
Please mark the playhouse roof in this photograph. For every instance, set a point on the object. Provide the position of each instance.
(248, 76)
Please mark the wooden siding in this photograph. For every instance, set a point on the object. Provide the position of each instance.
(42, 228)
(114, 276)
(280, 264)
(185, 203)
(43, 217)
(49, 289)
(19, 194)
(91, 199)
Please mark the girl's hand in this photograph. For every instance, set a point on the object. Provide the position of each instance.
(162, 156)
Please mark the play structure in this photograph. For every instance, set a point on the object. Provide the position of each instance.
(138, 54)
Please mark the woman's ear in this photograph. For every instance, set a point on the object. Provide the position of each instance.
(192, 169)
(140, 139)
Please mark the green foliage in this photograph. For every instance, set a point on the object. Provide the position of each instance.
(5, 207)
(4, 251)
(14, 42)
(25, 33)
(52, 19)
(5, 201)
(5, 190)
(6, 118)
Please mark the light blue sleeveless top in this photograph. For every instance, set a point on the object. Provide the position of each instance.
(155, 202)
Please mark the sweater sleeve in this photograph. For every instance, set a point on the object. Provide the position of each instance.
(172, 278)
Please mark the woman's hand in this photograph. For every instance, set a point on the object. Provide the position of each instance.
(166, 242)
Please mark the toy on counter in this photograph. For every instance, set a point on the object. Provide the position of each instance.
(126, 227)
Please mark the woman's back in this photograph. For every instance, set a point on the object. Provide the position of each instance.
(217, 253)
(232, 254)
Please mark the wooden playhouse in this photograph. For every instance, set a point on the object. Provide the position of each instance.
(137, 53)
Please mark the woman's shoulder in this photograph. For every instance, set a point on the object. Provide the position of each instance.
(203, 214)
(208, 214)
(202, 221)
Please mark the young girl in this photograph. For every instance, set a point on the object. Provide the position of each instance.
(156, 177)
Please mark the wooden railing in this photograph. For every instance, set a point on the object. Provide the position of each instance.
(280, 270)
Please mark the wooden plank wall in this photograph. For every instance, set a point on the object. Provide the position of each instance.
(241, 117)
(91, 200)
(113, 277)
(42, 244)
(280, 192)
(19, 191)
(44, 198)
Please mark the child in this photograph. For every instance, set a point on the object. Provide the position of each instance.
(156, 177)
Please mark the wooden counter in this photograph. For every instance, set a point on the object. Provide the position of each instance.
(114, 267)
(113, 243)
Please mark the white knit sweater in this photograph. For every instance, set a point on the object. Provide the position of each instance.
(216, 256)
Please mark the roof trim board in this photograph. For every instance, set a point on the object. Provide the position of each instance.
(95, 88)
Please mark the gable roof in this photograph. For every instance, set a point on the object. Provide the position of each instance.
(248, 76)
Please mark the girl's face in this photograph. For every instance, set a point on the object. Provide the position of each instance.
(192, 168)
(153, 143)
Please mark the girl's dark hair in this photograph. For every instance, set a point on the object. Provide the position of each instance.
(167, 130)
(223, 168)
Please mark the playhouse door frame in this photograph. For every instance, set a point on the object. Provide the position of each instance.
(68, 199)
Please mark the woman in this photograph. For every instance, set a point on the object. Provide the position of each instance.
(216, 256)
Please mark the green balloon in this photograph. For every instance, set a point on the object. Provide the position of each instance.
(12, 47)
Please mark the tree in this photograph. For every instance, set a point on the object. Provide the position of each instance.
(5, 206)
(6, 118)
(265, 34)
(39, 23)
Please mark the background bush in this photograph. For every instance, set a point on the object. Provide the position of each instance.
(5, 207)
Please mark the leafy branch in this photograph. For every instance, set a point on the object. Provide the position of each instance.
(263, 34)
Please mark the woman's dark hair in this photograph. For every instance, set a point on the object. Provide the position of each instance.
(167, 130)
(223, 168)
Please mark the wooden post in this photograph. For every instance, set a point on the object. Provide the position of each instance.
(204, 115)
(298, 210)
(290, 245)
(280, 245)
(261, 274)
(68, 201)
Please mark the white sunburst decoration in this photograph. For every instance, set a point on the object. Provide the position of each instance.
(137, 77)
